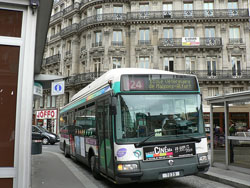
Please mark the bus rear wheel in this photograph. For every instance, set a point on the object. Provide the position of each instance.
(93, 167)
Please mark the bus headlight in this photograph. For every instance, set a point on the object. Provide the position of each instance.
(127, 167)
(203, 158)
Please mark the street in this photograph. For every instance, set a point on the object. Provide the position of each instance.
(52, 169)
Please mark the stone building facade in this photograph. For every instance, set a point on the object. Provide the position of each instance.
(207, 38)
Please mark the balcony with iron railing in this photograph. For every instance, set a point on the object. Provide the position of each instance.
(55, 36)
(53, 59)
(71, 8)
(170, 43)
(56, 16)
(84, 78)
(69, 30)
(83, 48)
(202, 75)
(117, 43)
(235, 41)
(97, 44)
(219, 75)
(109, 17)
(67, 53)
(144, 42)
(188, 14)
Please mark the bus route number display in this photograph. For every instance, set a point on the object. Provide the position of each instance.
(136, 84)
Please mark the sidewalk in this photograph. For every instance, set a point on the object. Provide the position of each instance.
(46, 169)
(229, 177)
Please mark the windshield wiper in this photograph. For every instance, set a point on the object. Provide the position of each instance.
(191, 137)
(148, 137)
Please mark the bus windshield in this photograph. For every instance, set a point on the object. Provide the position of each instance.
(166, 116)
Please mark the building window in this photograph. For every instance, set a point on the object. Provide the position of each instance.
(208, 9)
(53, 31)
(66, 98)
(168, 64)
(190, 64)
(144, 36)
(48, 101)
(116, 62)
(236, 66)
(51, 51)
(97, 67)
(84, 41)
(41, 101)
(238, 89)
(144, 7)
(53, 101)
(98, 13)
(98, 39)
(117, 38)
(188, 9)
(232, 8)
(144, 62)
(189, 32)
(234, 35)
(70, 21)
(211, 66)
(209, 32)
(213, 91)
(69, 46)
(118, 9)
(168, 33)
(167, 10)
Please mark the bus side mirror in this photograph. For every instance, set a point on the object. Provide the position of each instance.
(113, 105)
(112, 110)
(113, 101)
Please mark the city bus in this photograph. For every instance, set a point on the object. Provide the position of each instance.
(137, 125)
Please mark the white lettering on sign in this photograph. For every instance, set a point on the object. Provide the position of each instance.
(46, 114)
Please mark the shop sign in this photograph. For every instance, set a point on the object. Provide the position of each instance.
(38, 89)
(46, 114)
(190, 41)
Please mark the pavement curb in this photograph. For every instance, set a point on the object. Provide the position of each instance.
(223, 180)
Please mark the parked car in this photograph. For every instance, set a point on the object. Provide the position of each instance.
(47, 137)
(245, 135)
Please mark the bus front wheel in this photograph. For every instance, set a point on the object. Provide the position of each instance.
(65, 151)
(93, 167)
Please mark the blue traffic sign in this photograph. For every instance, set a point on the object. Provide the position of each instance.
(58, 87)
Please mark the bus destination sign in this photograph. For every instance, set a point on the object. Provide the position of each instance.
(170, 84)
(158, 83)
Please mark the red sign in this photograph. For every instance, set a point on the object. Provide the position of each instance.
(46, 114)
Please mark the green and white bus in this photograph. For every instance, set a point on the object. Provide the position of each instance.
(137, 125)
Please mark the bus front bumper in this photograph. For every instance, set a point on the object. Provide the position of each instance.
(160, 170)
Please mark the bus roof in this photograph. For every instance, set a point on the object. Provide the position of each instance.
(114, 75)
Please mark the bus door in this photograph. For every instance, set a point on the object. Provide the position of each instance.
(106, 154)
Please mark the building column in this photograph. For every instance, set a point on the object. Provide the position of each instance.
(105, 60)
(128, 46)
(226, 114)
(75, 55)
(212, 134)
(133, 42)
(155, 53)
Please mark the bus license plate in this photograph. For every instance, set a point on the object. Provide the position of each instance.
(171, 174)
